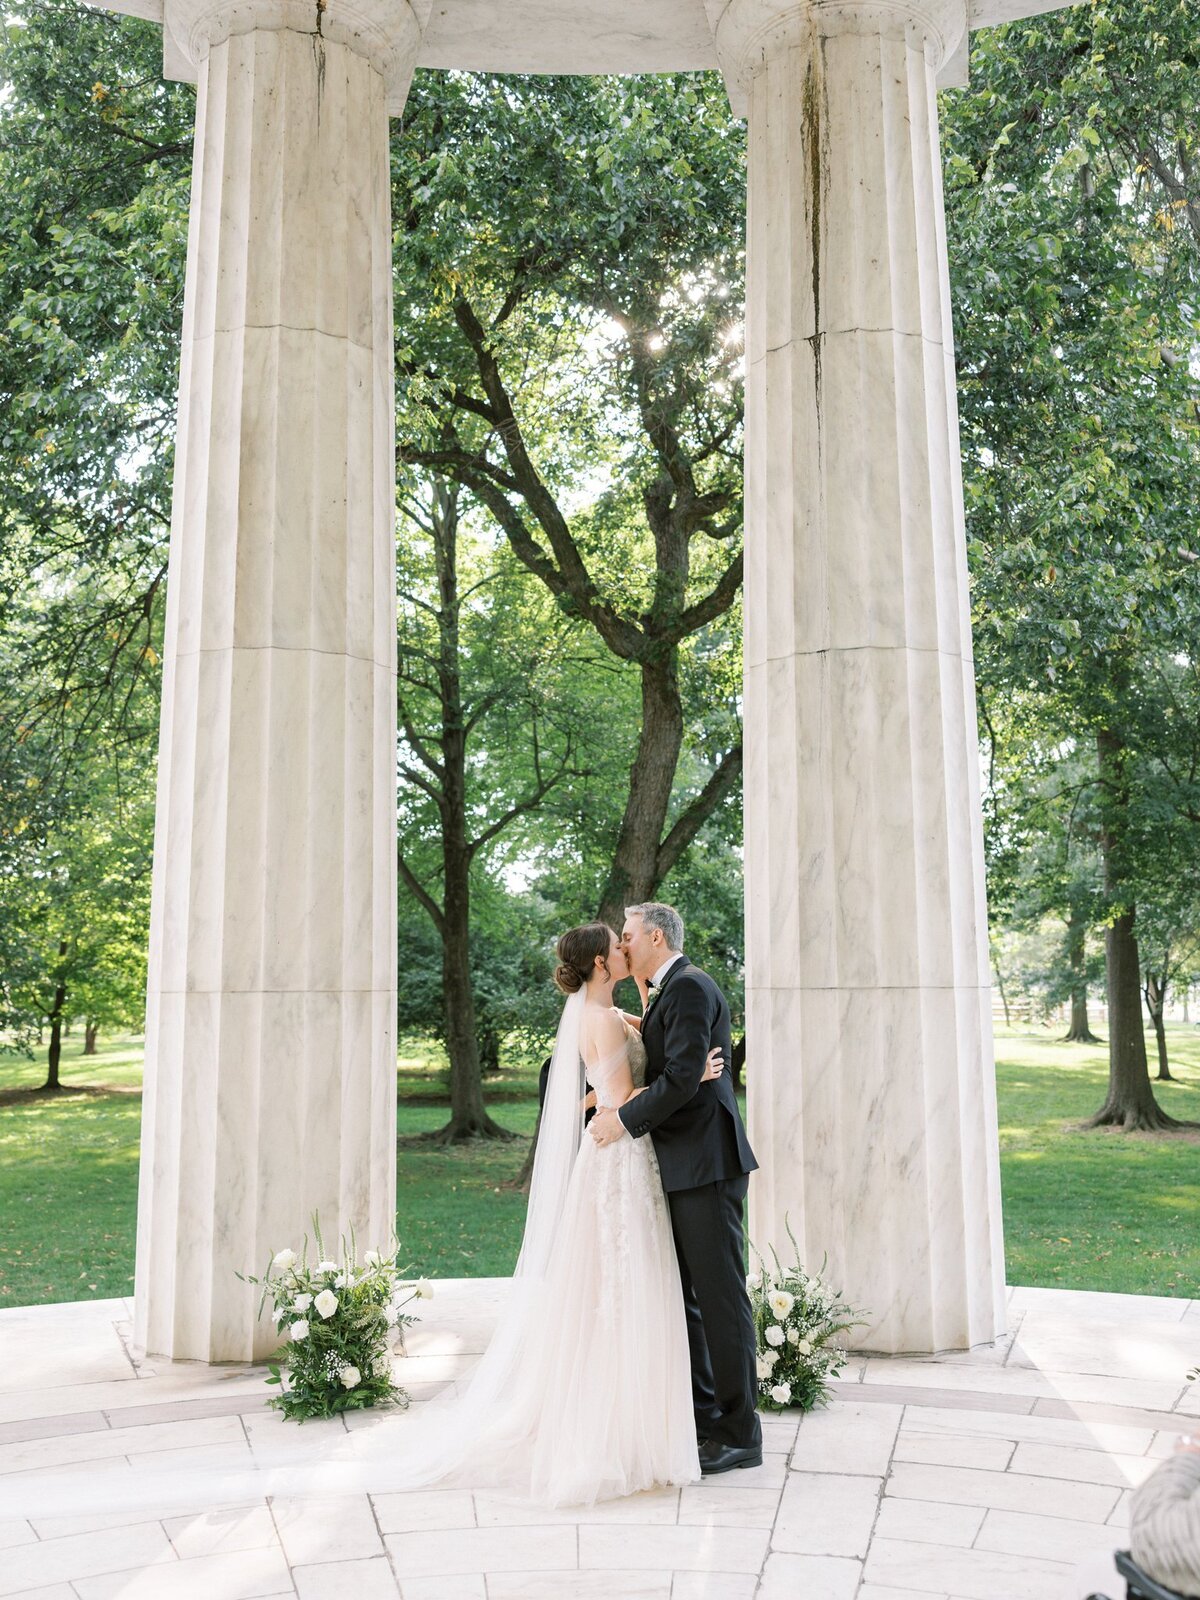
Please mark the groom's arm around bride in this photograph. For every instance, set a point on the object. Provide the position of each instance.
(696, 1126)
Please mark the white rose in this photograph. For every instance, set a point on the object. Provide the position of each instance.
(326, 1302)
(770, 1357)
(372, 1259)
(349, 1377)
(781, 1393)
(302, 1302)
(804, 1346)
(774, 1336)
(341, 1281)
(284, 1260)
(327, 1266)
(781, 1302)
(753, 1280)
(424, 1289)
(300, 1329)
(763, 1367)
(793, 1335)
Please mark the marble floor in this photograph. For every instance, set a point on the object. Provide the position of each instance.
(1003, 1474)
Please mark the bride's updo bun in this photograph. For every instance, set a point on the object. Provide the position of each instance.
(577, 951)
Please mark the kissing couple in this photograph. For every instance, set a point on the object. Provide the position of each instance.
(625, 1355)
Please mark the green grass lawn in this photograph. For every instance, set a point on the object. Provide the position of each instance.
(1100, 1210)
(1082, 1211)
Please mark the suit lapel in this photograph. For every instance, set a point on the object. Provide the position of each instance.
(666, 984)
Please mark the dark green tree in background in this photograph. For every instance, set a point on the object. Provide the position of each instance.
(1077, 327)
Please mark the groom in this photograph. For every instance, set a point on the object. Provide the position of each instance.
(705, 1161)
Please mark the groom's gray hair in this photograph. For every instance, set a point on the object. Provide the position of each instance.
(665, 918)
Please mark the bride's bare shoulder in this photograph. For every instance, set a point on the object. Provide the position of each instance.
(603, 1028)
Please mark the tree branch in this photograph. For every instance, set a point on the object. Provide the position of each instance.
(697, 814)
(421, 894)
(715, 603)
(576, 579)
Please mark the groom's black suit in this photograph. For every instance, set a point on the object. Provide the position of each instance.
(705, 1161)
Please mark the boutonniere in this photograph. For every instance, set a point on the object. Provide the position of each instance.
(651, 997)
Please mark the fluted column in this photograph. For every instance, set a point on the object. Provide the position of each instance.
(872, 1096)
(270, 1030)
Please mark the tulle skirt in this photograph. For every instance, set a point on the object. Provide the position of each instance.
(613, 1408)
(584, 1394)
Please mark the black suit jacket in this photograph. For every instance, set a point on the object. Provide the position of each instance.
(696, 1127)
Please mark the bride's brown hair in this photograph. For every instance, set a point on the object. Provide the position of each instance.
(577, 951)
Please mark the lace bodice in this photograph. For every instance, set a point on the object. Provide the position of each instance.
(607, 1078)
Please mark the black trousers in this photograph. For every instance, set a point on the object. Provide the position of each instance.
(709, 1241)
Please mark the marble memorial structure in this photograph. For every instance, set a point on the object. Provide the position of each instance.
(270, 1047)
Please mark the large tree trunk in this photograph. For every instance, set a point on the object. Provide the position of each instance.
(524, 1178)
(634, 874)
(1155, 992)
(56, 1025)
(1078, 1032)
(1130, 1102)
(468, 1115)
(90, 1030)
(1003, 993)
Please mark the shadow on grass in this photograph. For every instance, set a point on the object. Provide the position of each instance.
(68, 1091)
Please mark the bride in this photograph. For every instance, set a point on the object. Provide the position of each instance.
(584, 1392)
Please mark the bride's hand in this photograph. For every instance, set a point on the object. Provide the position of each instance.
(714, 1066)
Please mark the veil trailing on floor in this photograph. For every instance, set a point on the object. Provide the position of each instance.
(486, 1420)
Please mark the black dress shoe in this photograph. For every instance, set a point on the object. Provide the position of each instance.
(716, 1457)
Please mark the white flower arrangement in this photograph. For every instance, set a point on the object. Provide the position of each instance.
(341, 1359)
(797, 1321)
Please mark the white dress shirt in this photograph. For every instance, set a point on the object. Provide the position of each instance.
(658, 977)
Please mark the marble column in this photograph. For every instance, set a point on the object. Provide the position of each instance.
(872, 1095)
(270, 1029)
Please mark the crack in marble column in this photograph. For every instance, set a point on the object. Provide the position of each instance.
(871, 1084)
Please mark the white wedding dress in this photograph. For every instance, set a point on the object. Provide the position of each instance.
(584, 1393)
(613, 1408)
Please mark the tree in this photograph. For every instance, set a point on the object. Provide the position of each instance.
(78, 902)
(577, 244)
(95, 167)
(1079, 412)
(471, 684)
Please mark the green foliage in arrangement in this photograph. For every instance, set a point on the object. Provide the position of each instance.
(798, 1323)
(339, 1319)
